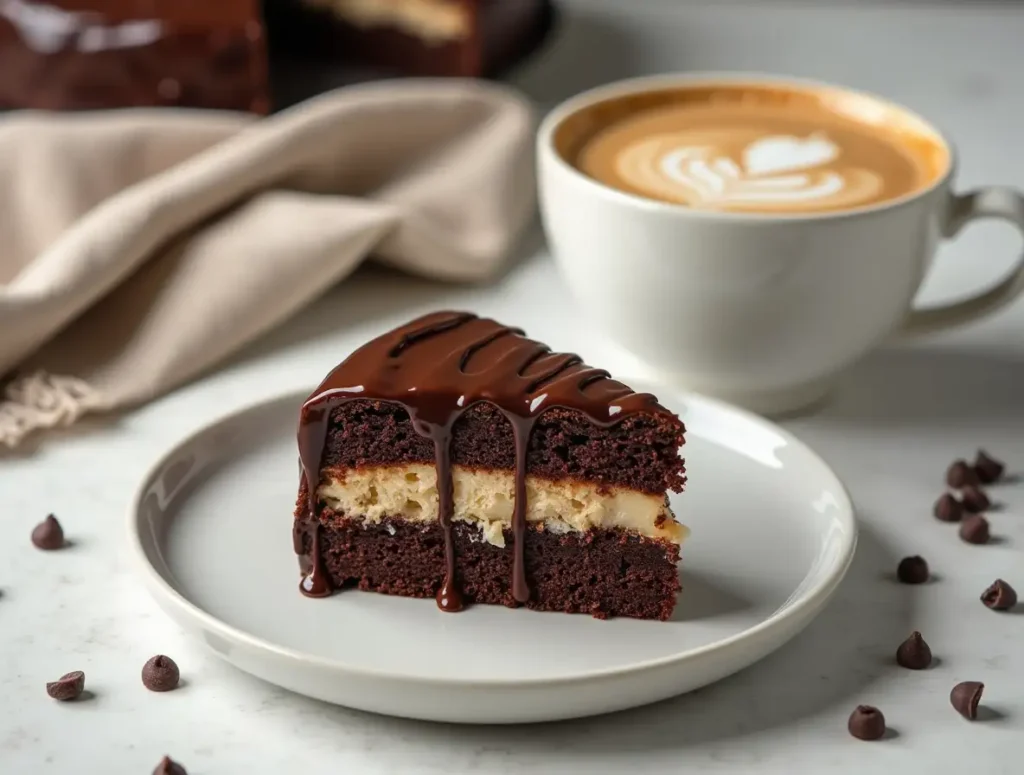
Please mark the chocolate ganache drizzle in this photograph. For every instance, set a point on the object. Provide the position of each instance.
(436, 368)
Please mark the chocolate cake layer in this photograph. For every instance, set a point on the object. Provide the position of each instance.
(640, 453)
(603, 573)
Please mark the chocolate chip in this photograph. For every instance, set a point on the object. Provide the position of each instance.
(866, 723)
(160, 674)
(959, 474)
(974, 529)
(948, 508)
(965, 698)
(68, 687)
(914, 653)
(168, 766)
(48, 534)
(1000, 596)
(912, 570)
(974, 499)
(988, 468)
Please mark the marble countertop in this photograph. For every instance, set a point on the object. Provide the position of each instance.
(899, 417)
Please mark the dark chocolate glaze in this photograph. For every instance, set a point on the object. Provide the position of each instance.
(437, 367)
(316, 583)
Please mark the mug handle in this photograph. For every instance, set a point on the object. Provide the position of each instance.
(1005, 204)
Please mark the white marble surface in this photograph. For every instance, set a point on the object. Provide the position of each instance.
(898, 418)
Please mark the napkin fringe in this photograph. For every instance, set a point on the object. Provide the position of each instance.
(37, 401)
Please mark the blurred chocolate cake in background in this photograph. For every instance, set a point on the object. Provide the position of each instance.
(476, 38)
(246, 54)
(92, 54)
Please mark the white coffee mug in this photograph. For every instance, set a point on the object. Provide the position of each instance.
(760, 309)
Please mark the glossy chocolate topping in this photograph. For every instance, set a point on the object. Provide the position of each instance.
(438, 366)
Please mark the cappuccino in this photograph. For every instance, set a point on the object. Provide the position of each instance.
(761, 148)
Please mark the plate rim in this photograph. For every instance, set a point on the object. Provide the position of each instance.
(164, 594)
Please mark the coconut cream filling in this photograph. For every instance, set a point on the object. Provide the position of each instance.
(435, 21)
(486, 499)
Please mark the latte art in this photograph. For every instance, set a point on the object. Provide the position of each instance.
(750, 147)
(700, 170)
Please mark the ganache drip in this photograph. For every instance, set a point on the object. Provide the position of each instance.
(436, 368)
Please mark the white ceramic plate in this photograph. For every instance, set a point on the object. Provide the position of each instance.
(773, 535)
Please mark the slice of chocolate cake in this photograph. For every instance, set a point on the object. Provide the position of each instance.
(455, 458)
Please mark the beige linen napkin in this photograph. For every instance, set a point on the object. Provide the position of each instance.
(139, 248)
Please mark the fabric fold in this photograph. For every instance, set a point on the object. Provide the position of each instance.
(143, 247)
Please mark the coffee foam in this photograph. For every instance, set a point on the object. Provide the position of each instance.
(773, 171)
(752, 147)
